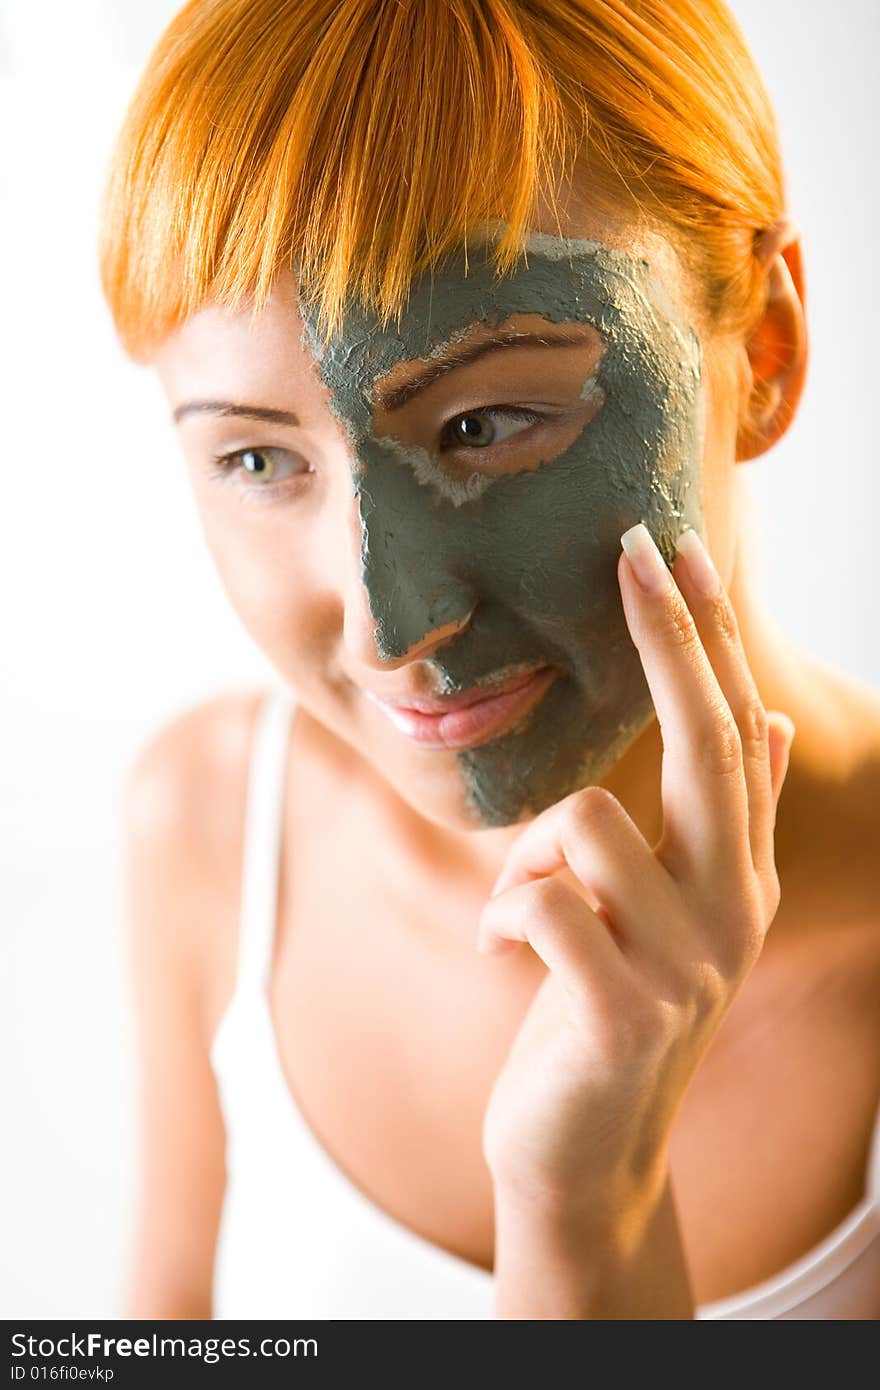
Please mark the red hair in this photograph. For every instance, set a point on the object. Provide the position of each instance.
(364, 138)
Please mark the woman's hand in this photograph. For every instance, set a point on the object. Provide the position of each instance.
(643, 972)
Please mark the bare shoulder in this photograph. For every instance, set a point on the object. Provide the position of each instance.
(182, 799)
(173, 781)
(183, 805)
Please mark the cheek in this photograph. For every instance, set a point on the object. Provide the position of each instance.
(271, 579)
(557, 534)
(549, 542)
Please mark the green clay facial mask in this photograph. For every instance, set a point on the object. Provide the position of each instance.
(533, 552)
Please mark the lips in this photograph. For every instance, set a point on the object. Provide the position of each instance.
(444, 704)
(466, 725)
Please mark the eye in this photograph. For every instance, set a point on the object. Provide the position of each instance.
(261, 466)
(474, 429)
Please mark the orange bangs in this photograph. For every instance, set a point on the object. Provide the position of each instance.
(364, 139)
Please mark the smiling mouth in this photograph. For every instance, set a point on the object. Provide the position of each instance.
(473, 718)
(445, 704)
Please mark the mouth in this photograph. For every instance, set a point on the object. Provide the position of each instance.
(469, 719)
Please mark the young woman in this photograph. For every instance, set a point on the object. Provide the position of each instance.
(467, 314)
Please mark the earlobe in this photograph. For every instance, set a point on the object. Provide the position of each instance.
(777, 346)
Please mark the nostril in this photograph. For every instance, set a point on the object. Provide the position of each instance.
(438, 637)
(416, 601)
(464, 622)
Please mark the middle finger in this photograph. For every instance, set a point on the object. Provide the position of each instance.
(704, 792)
(719, 629)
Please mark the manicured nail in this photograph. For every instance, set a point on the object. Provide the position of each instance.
(699, 563)
(646, 560)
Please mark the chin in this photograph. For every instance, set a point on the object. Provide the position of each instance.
(438, 795)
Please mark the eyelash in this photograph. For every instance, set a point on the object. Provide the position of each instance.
(222, 466)
(222, 469)
(519, 412)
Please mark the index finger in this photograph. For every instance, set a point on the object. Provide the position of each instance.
(704, 790)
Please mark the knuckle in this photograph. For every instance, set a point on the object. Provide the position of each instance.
(752, 943)
(544, 898)
(726, 623)
(593, 804)
(660, 1025)
(754, 726)
(710, 993)
(675, 623)
(772, 895)
(745, 941)
(721, 750)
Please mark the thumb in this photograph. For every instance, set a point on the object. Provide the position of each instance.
(782, 733)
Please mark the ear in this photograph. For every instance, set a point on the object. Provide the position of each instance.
(777, 346)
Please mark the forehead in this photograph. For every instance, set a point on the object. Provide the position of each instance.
(573, 279)
(564, 280)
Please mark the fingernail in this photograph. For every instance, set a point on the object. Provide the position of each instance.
(647, 562)
(784, 722)
(699, 563)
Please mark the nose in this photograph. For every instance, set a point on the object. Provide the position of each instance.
(364, 637)
(403, 600)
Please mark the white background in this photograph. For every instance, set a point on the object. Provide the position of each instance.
(113, 620)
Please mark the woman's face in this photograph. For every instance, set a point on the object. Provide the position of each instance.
(420, 511)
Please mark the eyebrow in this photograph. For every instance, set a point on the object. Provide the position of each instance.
(266, 414)
(394, 397)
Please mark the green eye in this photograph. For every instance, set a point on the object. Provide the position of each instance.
(260, 466)
(258, 462)
(474, 429)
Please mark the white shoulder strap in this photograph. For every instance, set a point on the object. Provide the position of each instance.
(261, 850)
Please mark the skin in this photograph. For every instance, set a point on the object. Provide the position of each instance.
(671, 935)
(293, 572)
(291, 562)
(453, 549)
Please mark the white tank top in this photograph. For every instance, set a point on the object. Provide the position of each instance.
(298, 1239)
